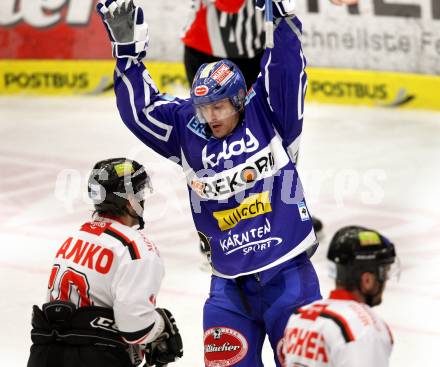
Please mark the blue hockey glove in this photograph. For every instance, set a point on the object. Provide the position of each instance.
(126, 28)
(281, 8)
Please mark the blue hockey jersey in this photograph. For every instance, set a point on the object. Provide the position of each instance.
(246, 198)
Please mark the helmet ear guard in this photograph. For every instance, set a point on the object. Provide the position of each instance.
(239, 99)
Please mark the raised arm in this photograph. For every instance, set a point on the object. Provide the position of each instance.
(151, 116)
(283, 81)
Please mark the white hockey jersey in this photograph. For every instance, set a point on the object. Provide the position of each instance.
(109, 264)
(337, 332)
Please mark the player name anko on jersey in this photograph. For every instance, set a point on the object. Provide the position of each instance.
(93, 256)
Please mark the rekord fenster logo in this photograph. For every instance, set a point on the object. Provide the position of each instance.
(244, 176)
(250, 207)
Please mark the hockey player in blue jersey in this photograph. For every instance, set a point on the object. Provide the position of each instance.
(238, 150)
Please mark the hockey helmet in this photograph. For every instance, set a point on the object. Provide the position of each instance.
(115, 182)
(216, 81)
(356, 249)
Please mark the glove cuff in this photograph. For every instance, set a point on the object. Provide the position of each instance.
(285, 8)
(132, 50)
(281, 8)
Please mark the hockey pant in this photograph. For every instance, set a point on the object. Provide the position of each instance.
(65, 337)
(240, 312)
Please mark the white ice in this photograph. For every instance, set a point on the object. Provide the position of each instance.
(373, 167)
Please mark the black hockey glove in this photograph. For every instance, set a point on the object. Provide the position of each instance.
(281, 8)
(168, 346)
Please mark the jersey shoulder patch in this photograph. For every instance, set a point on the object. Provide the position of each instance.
(97, 228)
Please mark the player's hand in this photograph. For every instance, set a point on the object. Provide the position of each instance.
(281, 8)
(168, 346)
(126, 28)
(344, 2)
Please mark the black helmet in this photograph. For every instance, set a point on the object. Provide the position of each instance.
(355, 250)
(113, 182)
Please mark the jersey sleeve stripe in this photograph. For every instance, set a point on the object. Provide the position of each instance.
(390, 334)
(131, 245)
(138, 336)
(341, 323)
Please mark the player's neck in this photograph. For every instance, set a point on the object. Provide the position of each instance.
(129, 220)
(359, 297)
(125, 219)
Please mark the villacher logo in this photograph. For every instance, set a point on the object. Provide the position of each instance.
(224, 346)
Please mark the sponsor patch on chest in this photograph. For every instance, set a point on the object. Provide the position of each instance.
(250, 207)
(246, 144)
(197, 128)
(252, 240)
(236, 179)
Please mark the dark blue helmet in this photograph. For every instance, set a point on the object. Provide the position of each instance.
(216, 81)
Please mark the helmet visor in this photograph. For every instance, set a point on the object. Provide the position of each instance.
(392, 271)
(218, 111)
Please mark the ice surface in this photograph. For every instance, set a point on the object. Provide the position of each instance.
(373, 167)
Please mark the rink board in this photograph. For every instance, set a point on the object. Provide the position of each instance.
(335, 86)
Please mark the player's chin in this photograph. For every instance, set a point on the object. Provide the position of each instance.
(377, 300)
(217, 130)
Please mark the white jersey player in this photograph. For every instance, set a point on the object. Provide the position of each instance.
(343, 330)
(104, 282)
